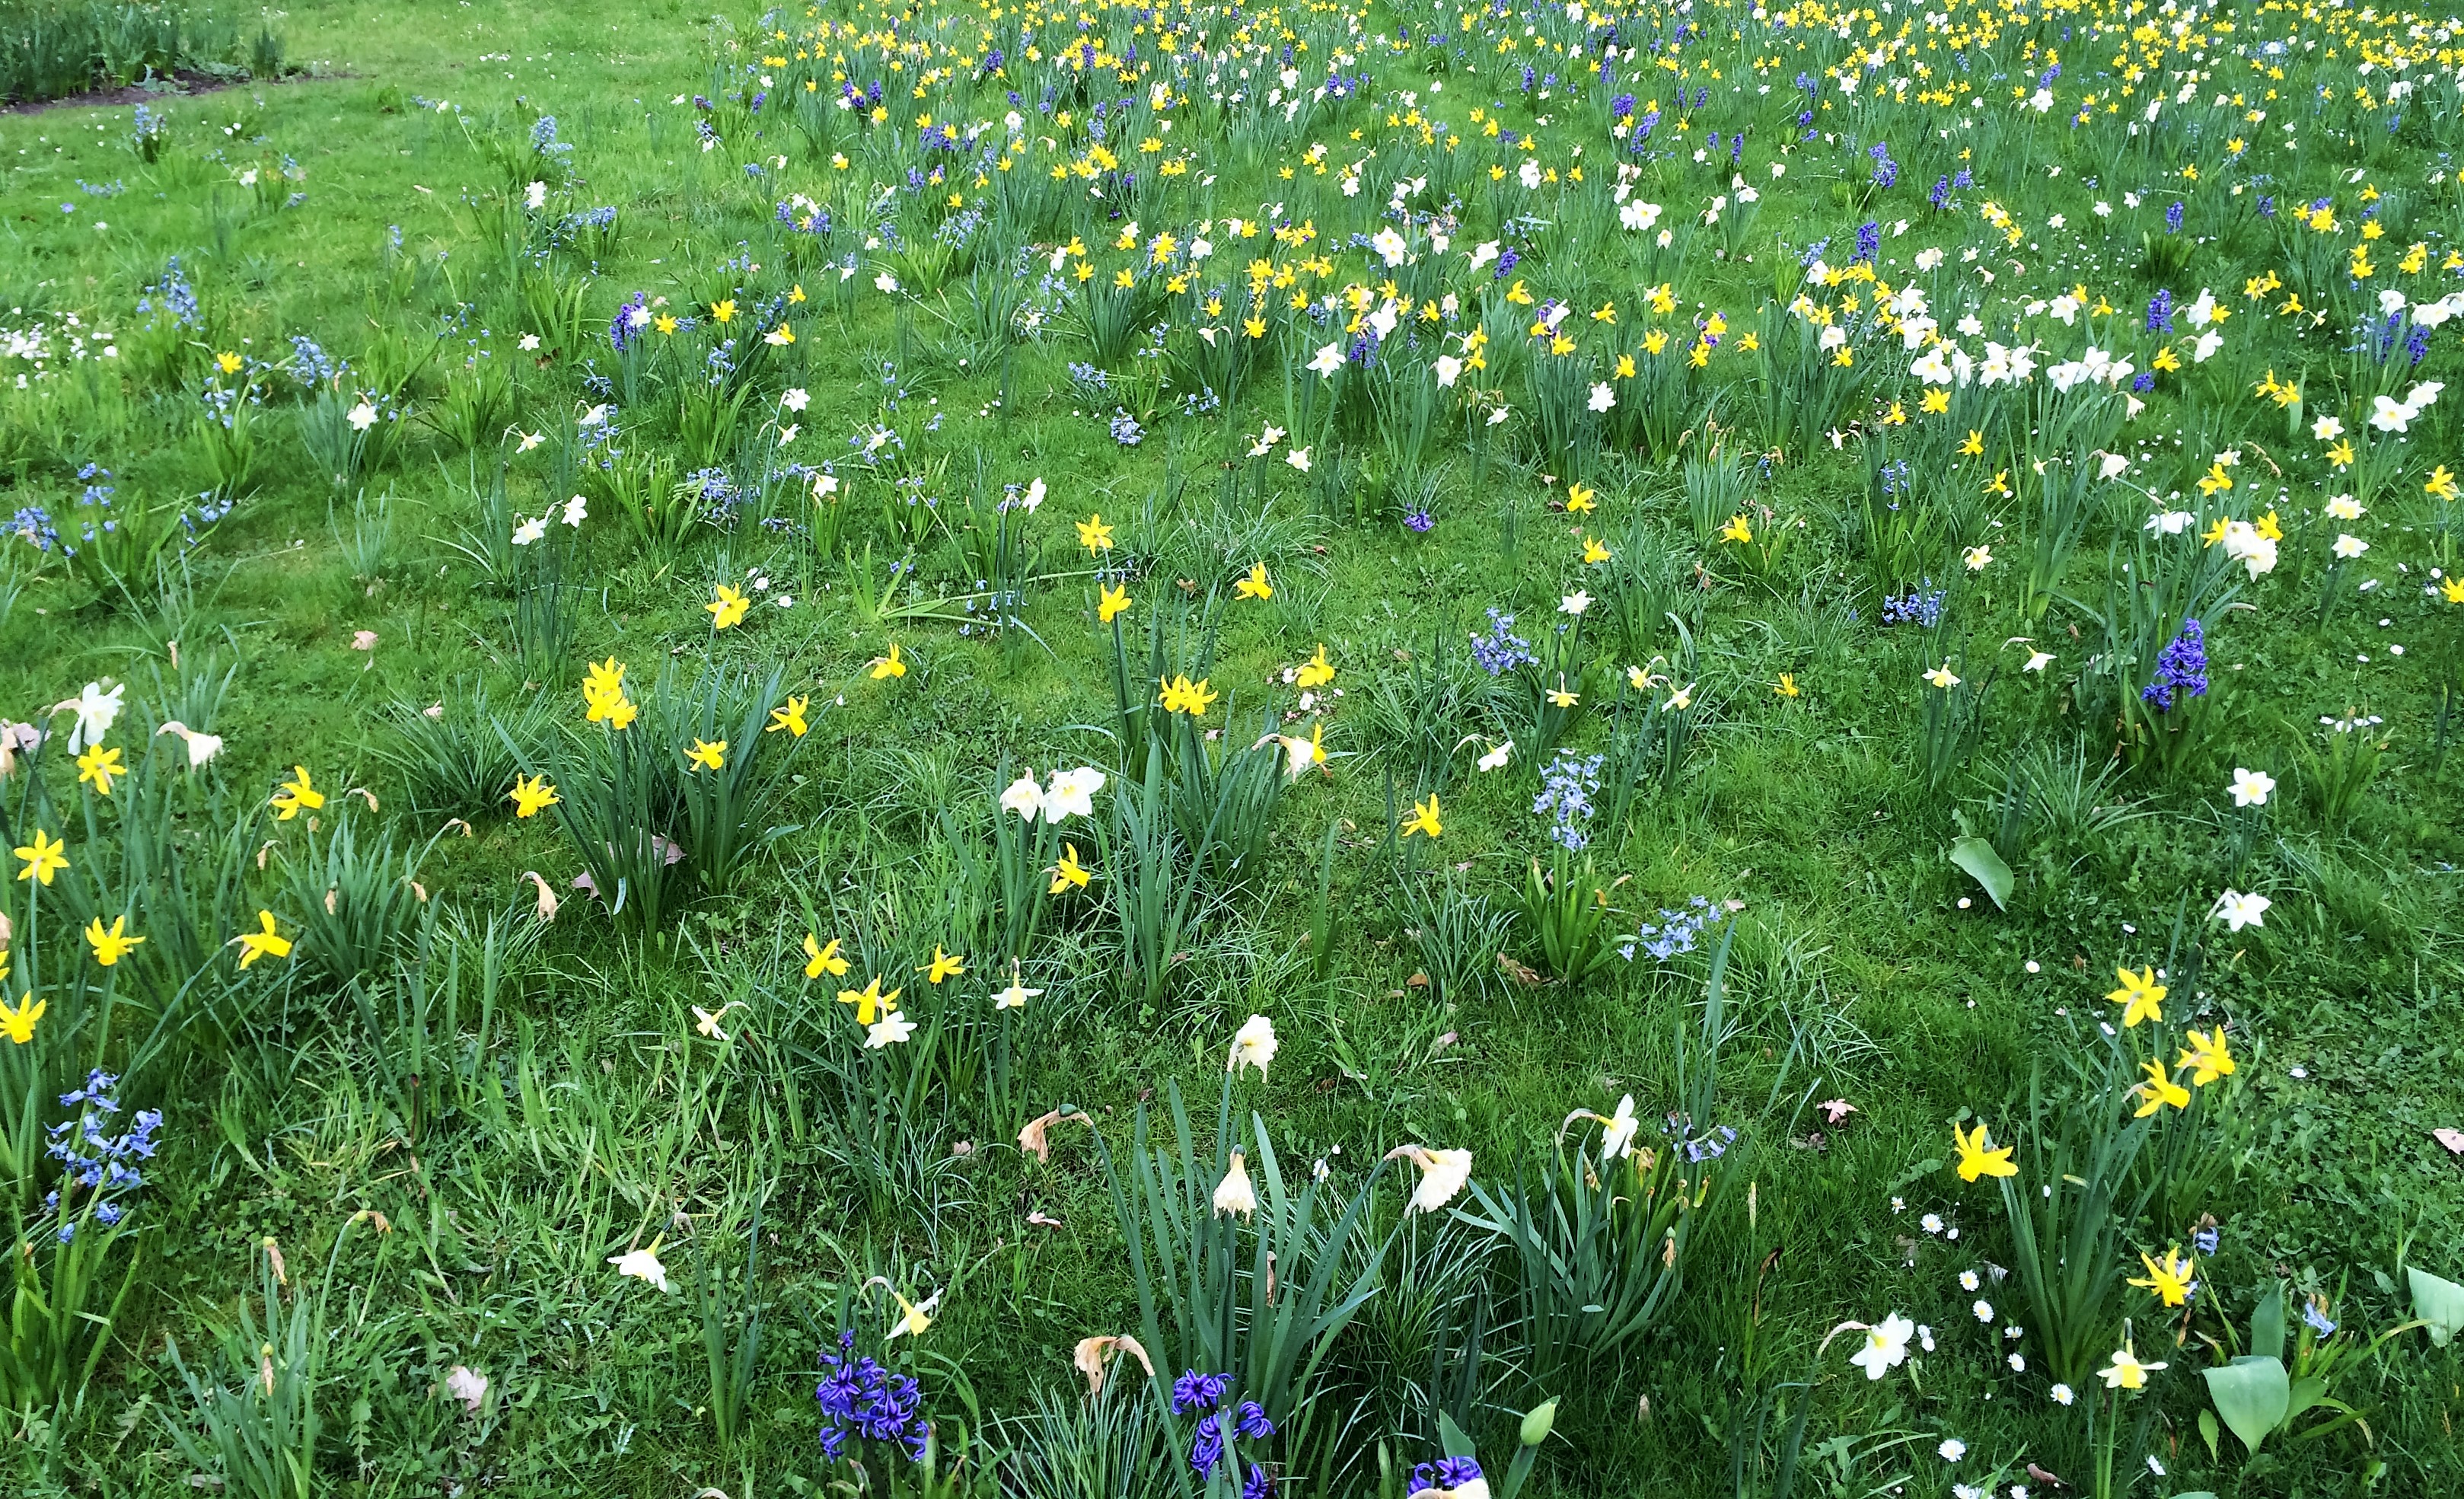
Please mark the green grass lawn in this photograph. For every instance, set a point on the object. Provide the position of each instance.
(408, 1149)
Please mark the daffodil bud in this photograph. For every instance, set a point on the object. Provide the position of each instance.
(1538, 1422)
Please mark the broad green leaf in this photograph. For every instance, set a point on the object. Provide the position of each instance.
(2210, 1433)
(2439, 1302)
(2251, 1393)
(1977, 857)
(2267, 1324)
(1451, 1437)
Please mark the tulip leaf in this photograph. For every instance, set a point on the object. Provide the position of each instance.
(2267, 1324)
(1453, 1438)
(2253, 1395)
(1977, 857)
(2439, 1302)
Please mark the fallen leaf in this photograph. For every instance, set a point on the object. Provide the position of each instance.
(1834, 1110)
(1094, 1353)
(364, 640)
(1033, 1140)
(2453, 1140)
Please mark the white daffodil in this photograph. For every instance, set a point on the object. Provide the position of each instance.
(1023, 796)
(890, 1030)
(1444, 1174)
(2236, 910)
(641, 1265)
(202, 747)
(1234, 1194)
(1253, 1046)
(1617, 1132)
(1072, 794)
(96, 709)
(1885, 1347)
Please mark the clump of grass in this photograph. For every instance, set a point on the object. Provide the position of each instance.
(54, 48)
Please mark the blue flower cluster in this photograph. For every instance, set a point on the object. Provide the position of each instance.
(1204, 1393)
(1445, 1475)
(1709, 1145)
(1675, 931)
(1500, 651)
(1887, 171)
(1565, 799)
(310, 364)
(33, 525)
(172, 294)
(860, 1398)
(95, 1159)
(630, 320)
(1921, 606)
(2181, 670)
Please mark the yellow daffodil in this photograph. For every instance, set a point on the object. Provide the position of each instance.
(1255, 585)
(1182, 695)
(532, 794)
(19, 1023)
(820, 959)
(706, 755)
(98, 765)
(2142, 997)
(1737, 530)
(1111, 602)
(2205, 1057)
(2168, 1279)
(790, 717)
(296, 796)
(1786, 686)
(111, 946)
(868, 1000)
(889, 665)
(1316, 671)
(727, 608)
(1979, 1157)
(944, 965)
(1069, 871)
(263, 943)
(1095, 535)
(43, 857)
(1594, 551)
(2159, 1090)
(1424, 818)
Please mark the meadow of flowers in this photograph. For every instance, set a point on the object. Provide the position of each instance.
(1078, 752)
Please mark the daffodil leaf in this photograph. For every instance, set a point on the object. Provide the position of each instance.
(2253, 1395)
(2441, 1303)
(1977, 857)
